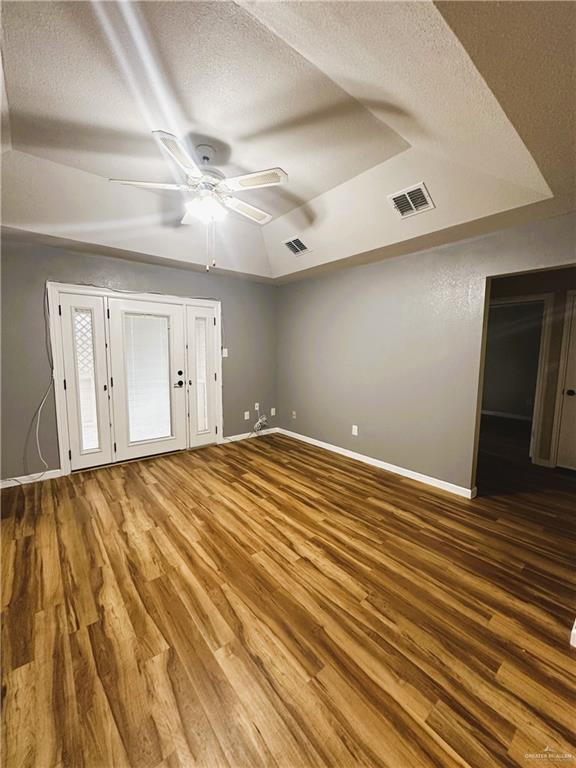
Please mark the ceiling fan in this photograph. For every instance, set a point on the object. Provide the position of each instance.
(211, 190)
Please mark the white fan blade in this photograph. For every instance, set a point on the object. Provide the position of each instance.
(268, 178)
(178, 152)
(247, 210)
(148, 184)
(188, 218)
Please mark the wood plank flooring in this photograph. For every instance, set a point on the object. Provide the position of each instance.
(266, 603)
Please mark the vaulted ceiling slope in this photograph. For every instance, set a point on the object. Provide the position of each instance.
(355, 100)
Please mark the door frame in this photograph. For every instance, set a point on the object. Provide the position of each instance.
(55, 289)
(562, 371)
(547, 300)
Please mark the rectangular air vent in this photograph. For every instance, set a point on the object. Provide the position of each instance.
(296, 246)
(409, 202)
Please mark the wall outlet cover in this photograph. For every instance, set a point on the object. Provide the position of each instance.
(246, 415)
(272, 411)
(293, 414)
(256, 406)
(355, 429)
(224, 351)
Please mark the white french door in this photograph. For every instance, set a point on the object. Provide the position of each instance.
(85, 379)
(147, 357)
(139, 374)
(202, 384)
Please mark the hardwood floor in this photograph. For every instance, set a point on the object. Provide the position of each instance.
(266, 603)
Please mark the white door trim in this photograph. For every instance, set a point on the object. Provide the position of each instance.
(54, 290)
(58, 377)
(562, 370)
(543, 367)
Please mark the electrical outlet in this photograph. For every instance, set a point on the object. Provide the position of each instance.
(355, 429)
(246, 415)
(256, 406)
(224, 351)
(272, 411)
(293, 414)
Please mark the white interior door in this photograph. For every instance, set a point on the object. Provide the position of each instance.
(203, 387)
(86, 380)
(567, 437)
(148, 376)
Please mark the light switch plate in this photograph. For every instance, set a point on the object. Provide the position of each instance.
(224, 351)
(355, 430)
(293, 414)
(246, 415)
(256, 406)
(272, 411)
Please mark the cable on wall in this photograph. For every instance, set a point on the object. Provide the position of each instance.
(38, 412)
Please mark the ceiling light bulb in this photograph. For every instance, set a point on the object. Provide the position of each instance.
(206, 209)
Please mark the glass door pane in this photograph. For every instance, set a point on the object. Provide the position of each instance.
(147, 339)
(86, 378)
(202, 384)
(201, 374)
(148, 360)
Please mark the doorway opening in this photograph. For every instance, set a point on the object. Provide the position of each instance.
(513, 377)
(527, 431)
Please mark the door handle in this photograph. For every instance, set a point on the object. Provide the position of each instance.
(179, 384)
(571, 392)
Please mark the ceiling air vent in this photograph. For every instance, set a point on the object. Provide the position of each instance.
(296, 246)
(411, 201)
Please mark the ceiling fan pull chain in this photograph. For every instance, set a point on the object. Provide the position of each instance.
(210, 244)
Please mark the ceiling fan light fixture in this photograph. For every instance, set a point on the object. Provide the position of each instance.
(206, 208)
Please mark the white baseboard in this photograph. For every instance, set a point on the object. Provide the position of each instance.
(52, 473)
(467, 493)
(248, 435)
(543, 462)
(37, 477)
(504, 415)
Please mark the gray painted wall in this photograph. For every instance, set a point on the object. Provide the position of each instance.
(396, 348)
(511, 361)
(249, 331)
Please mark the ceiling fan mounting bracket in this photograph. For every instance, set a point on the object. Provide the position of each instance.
(206, 154)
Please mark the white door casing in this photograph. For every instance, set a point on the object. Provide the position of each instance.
(566, 455)
(85, 379)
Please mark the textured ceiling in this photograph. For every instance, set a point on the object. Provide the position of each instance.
(220, 74)
(356, 100)
(405, 52)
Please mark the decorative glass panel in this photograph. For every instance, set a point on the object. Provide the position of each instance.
(148, 376)
(201, 375)
(88, 410)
